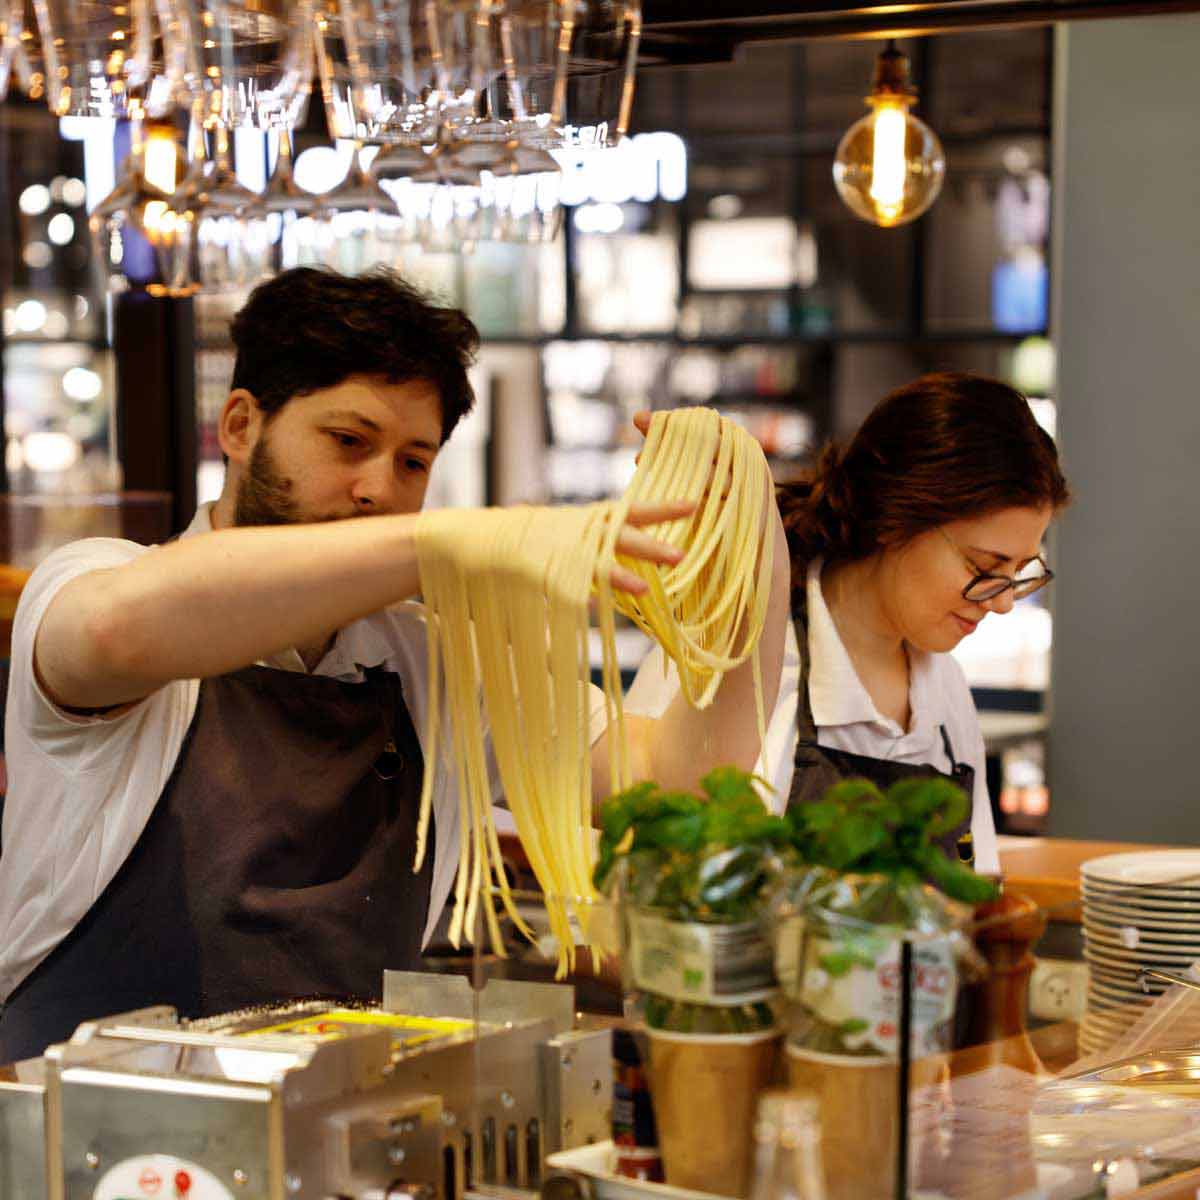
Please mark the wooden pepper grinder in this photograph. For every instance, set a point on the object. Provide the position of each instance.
(1009, 928)
(975, 1163)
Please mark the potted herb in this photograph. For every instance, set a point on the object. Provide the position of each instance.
(874, 876)
(692, 870)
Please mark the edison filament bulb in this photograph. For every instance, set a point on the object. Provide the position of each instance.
(889, 165)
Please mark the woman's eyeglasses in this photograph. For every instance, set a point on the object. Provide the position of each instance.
(985, 585)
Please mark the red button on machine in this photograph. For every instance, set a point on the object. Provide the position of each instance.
(183, 1183)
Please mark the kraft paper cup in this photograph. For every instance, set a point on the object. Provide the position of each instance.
(857, 1101)
(859, 1106)
(705, 1090)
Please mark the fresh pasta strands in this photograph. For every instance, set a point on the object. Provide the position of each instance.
(506, 594)
(708, 610)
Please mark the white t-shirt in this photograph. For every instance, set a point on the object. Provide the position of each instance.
(81, 789)
(846, 717)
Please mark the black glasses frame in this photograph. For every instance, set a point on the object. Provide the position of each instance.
(1020, 587)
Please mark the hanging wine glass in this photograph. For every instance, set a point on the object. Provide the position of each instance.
(11, 22)
(133, 224)
(600, 73)
(28, 64)
(569, 65)
(376, 69)
(251, 60)
(467, 58)
(524, 189)
(376, 75)
(398, 169)
(244, 62)
(363, 220)
(443, 204)
(97, 55)
(285, 212)
(210, 246)
(393, 72)
(130, 223)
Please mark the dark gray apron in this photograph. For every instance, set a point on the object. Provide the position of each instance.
(277, 864)
(818, 767)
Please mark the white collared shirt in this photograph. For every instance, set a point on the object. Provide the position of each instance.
(81, 789)
(846, 717)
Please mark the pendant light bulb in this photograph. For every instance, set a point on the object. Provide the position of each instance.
(890, 165)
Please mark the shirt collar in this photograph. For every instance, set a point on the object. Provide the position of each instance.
(201, 522)
(835, 691)
(360, 645)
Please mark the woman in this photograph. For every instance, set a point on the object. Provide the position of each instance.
(929, 520)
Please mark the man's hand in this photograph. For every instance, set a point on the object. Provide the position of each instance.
(632, 543)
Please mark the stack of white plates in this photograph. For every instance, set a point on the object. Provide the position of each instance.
(1139, 910)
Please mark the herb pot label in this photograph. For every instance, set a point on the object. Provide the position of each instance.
(853, 985)
(723, 965)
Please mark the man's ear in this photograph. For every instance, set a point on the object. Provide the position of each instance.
(240, 425)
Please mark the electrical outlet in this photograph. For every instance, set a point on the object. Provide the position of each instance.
(1058, 989)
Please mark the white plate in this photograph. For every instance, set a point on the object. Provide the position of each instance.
(1172, 899)
(1147, 918)
(1097, 1025)
(1111, 1027)
(1174, 942)
(1155, 868)
(1095, 1043)
(1119, 1011)
(1128, 972)
(1103, 1019)
(1151, 939)
(596, 1162)
(1138, 954)
(1144, 951)
(1137, 959)
(1119, 994)
(1123, 980)
(1131, 967)
(1126, 984)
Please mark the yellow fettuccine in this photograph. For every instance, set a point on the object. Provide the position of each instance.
(506, 594)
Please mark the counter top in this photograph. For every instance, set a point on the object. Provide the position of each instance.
(1047, 869)
(1001, 729)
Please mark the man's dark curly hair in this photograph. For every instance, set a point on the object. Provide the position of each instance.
(307, 329)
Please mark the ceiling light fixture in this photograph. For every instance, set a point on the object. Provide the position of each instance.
(889, 165)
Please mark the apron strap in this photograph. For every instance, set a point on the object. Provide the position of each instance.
(948, 746)
(806, 726)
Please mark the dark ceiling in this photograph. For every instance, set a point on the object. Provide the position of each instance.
(682, 31)
(786, 98)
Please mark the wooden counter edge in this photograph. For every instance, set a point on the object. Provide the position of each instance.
(1185, 1186)
(1047, 870)
(1058, 898)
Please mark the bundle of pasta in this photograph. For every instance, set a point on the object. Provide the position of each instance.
(506, 594)
(707, 611)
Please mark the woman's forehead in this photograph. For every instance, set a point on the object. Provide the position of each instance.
(1011, 533)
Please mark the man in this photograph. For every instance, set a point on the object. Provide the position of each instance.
(213, 744)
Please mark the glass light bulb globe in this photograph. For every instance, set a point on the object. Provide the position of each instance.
(890, 165)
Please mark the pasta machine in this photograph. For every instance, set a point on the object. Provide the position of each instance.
(436, 1091)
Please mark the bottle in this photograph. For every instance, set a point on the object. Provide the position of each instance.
(787, 1148)
(635, 1139)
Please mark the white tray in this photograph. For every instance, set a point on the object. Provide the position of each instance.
(596, 1162)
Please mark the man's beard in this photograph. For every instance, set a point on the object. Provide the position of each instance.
(264, 494)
